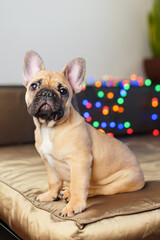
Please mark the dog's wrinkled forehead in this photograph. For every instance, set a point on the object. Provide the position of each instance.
(51, 79)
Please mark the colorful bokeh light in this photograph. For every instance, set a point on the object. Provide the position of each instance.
(89, 105)
(129, 131)
(112, 124)
(100, 94)
(148, 82)
(154, 117)
(103, 125)
(110, 95)
(98, 84)
(86, 114)
(95, 124)
(155, 132)
(127, 124)
(105, 110)
(98, 104)
(120, 100)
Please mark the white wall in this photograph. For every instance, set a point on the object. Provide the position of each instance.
(110, 34)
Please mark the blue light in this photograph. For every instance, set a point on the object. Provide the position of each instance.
(103, 125)
(154, 116)
(98, 104)
(91, 80)
(104, 83)
(121, 84)
(85, 102)
(86, 114)
(123, 92)
(112, 124)
(120, 126)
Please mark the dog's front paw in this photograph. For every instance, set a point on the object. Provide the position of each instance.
(65, 194)
(47, 197)
(72, 208)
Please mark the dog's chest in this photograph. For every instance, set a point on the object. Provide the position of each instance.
(47, 146)
(52, 155)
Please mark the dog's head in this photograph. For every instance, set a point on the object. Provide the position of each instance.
(49, 93)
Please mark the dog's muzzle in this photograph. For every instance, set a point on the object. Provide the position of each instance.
(46, 105)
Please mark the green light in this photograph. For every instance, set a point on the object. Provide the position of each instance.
(120, 100)
(157, 88)
(100, 94)
(148, 82)
(95, 124)
(127, 124)
(126, 86)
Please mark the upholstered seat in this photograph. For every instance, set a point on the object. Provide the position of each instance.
(133, 215)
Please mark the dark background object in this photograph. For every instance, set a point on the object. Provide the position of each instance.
(16, 126)
(6, 233)
(152, 69)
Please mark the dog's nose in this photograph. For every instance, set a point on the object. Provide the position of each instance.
(47, 94)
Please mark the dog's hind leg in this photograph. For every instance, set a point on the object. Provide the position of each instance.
(119, 182)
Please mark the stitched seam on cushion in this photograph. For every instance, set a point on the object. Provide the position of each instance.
(79, 222)
(80, 226)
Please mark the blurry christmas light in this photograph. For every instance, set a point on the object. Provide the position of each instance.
(154, 116)
(112, 124)
(110, 134)
(89, 119)
(148, 82)
(104, 83)
(100, 94)
(129, 130)
(133, 77)
(85, 102)
(154, 102)
(103, 125)
(110, 84)
(84, 87)
(121, 110)
(120, 126)
(91, 80)
(98, 84)
(115, 108)
(155, 132)
(157, 88)
(127, 124)
(105, 77)
(89, 105)
(98, 104)
(123, 92)
(86, 114)
(120, 100)
(126, 86)
(101, 130)
(110, 95)
(105, 110)
(95, 124)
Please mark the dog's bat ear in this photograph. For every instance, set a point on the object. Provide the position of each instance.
(74, 72)
(33, 64)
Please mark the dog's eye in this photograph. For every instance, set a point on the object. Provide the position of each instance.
(63, 91)
(34, 86)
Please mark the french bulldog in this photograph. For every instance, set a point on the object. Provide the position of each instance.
(73, 151)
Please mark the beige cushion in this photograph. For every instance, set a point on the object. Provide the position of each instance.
(122, 216)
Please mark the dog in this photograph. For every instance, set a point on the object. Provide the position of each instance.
(73, 151)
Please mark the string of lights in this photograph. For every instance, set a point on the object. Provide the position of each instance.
(106, 107)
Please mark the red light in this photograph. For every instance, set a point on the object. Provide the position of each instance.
(89, 105)
(110, 134)
(155, 132)
(89, 119)
(129, 130)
